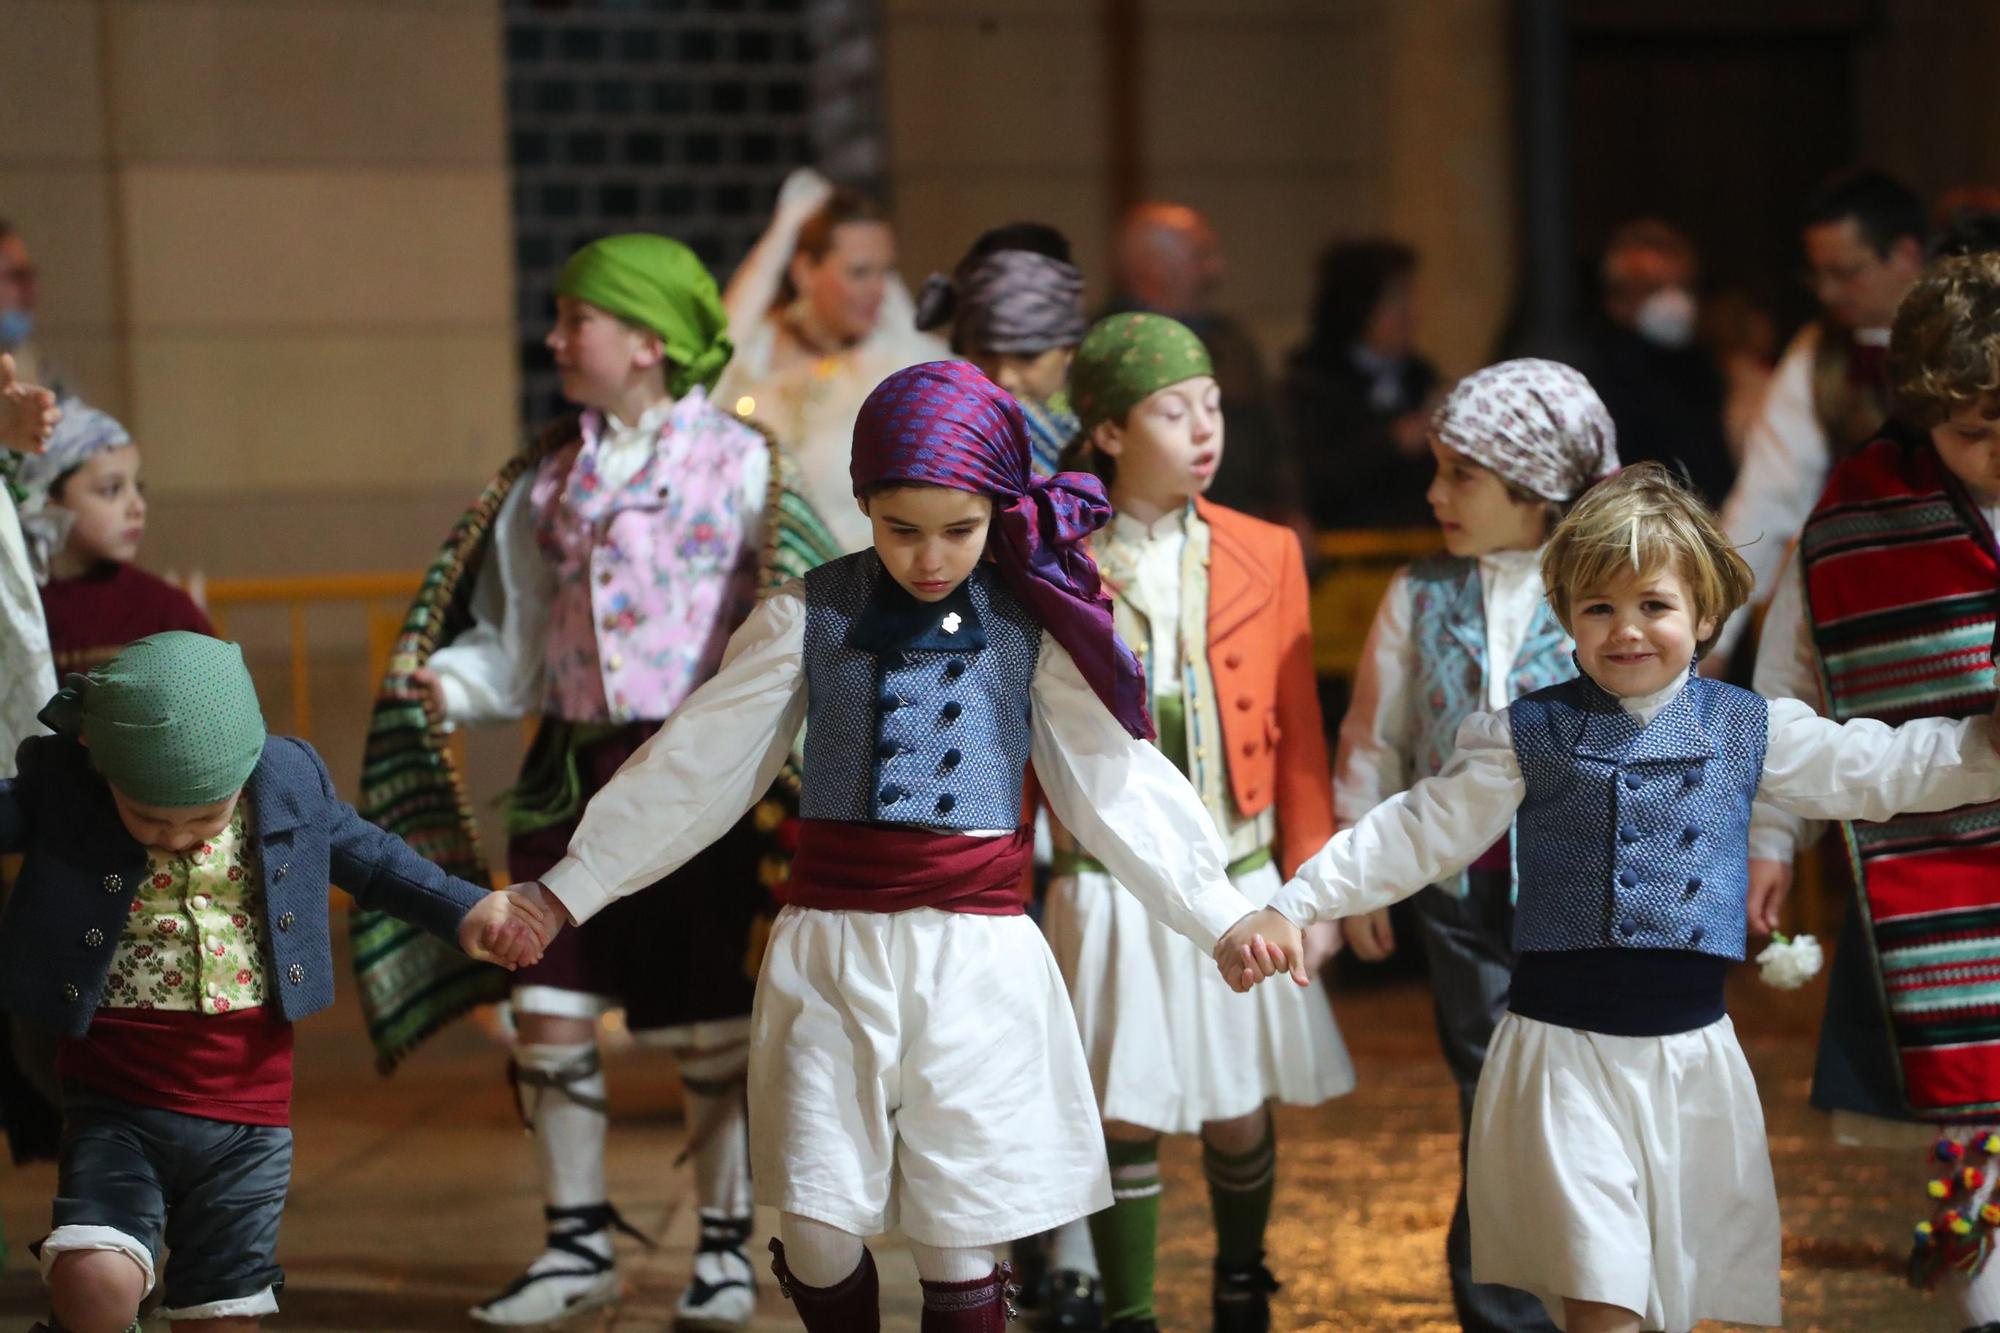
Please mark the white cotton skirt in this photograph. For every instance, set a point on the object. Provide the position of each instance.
(920, 1072)
(1627, 1170)
(1170, 1045)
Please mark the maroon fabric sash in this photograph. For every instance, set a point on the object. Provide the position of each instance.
(849, 867)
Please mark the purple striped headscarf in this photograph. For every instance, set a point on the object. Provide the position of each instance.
(944, 423)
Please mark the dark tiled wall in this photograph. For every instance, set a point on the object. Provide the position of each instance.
(675, 116)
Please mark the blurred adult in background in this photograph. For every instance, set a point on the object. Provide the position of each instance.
(1644, 357)
(20, 295)
(1863, 236)
(819, 318)
(1167, 259)
(1357, 395)
(1743, 337)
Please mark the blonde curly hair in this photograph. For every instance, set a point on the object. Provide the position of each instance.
(1944, 350)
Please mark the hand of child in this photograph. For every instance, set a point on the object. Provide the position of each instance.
(1322, 942)
(27, 412)
(1261, 945)
(1770, 883)
(512, 926)
(1370, 935)
(429, 691)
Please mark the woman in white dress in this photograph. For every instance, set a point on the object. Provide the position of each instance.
(819, 318)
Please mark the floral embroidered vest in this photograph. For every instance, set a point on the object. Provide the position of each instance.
(1448, 625)
(653, 576)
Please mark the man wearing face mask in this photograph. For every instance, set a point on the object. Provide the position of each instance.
(1663, 388)
(1864, 246)
(18, 292)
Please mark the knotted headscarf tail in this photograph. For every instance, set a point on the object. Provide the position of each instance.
(943, 423)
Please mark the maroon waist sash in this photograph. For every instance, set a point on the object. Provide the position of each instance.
(851, 867)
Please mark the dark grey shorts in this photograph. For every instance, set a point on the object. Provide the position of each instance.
(211, 1192)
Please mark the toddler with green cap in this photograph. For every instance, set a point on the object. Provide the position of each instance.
(170, 925)
(621, 555)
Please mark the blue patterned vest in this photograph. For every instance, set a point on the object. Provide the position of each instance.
(917, 712)
(1636, 836)
(1448, 627)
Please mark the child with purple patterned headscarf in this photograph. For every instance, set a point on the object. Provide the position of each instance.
(914, 1062)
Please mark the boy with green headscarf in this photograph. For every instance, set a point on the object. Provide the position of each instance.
(170, 923)
(615, 572)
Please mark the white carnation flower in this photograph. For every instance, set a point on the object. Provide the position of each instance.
(1789, 963)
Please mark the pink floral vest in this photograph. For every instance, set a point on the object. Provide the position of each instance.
(651, 578)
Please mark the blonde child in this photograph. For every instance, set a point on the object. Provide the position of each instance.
(1617, 1164)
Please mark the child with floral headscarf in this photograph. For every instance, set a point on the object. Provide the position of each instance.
(914, 1063)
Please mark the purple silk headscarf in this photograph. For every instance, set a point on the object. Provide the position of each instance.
(944, 423)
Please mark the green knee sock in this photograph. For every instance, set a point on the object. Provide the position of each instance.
(1239, 1194)
(1127, 1233)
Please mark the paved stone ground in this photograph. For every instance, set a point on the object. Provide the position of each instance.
(413, 1196)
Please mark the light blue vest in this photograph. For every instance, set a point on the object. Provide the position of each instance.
(1631, 836)
(917, 712)
(1448, 628)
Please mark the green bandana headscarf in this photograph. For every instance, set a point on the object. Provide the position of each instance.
(172, 720)
(1126, 357)
(657, 284)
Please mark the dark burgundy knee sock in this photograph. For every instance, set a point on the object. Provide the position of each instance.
(983, 1305)
(852, 1305)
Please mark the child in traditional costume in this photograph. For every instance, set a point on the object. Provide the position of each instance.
(170, 922)
(1459, 633)
(84, 514)
(1617, 1164)
(1214, 603)
(1015, 307)
(915, 1064)
(620, 562)
(1889, 613)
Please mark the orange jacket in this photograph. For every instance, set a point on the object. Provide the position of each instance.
(1260, 651)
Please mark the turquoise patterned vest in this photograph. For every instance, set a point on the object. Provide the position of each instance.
(1448, 626)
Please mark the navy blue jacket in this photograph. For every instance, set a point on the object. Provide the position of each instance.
(82, 868)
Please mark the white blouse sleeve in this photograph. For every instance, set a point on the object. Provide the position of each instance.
(1868, 770)
(714, 758)
(1372, 762)
(1129, 805)
(494, 671)
(1416, 838)
(1786, 669)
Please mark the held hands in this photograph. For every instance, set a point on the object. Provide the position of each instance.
(1370, 935)
(1261, 945)
(428, 690)
(512, 926)
(1770, 883)
(27, 412)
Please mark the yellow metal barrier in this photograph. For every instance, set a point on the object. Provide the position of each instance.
(386, 597)
(1351, 571)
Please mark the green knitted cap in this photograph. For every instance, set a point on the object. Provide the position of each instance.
(660, 285)
(1125, 358)
(172, 720)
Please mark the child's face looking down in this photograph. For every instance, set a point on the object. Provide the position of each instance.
(929, 537)
(1170, 443)
(110, 508)
(1477, 512)
(1969, 443)
(1636, 634)
(174, 828)
(598, 354)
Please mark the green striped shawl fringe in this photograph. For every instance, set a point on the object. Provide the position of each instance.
(1915, 640)
(412, 983)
